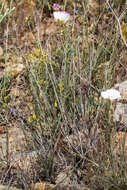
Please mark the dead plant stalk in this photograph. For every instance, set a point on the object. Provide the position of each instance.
(118, 21)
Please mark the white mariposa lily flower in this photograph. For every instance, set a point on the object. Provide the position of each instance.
(61, 16)
(111, 94)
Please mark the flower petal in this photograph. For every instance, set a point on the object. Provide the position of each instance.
(111, 94)
(61, 15)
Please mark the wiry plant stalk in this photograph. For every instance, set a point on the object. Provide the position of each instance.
(118, 21)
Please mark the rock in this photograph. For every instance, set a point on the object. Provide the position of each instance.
(4, 187)
(14, 69)
(120, 112)
(44, 186)
(1, 51)
(122, 87)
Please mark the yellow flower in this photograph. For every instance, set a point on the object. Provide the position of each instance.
(55, 104)
(59, 114)
(31, 56)
(30, 119)
(41, 60)
(91, 28)
(41, 82)
(38, 50)
(34, 117)
(61, 90)
(44, 54)
(61, 84)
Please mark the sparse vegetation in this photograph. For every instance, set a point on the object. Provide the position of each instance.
(55, 73)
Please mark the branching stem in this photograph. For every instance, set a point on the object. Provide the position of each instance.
(118, 21)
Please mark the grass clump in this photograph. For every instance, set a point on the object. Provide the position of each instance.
(66, 88)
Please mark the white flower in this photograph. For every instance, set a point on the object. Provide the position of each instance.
(111, 94)
(61, 16)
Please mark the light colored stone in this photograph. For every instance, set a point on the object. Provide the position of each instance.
(120, 112)
(122, 87)
(1, 51)
(44, 186)
(4, 187)
(14, 69)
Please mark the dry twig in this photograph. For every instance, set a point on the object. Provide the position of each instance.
(118, 21)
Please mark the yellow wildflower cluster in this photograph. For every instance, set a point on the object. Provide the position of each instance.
(32, 118)
(39, 56)
(61, 87)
